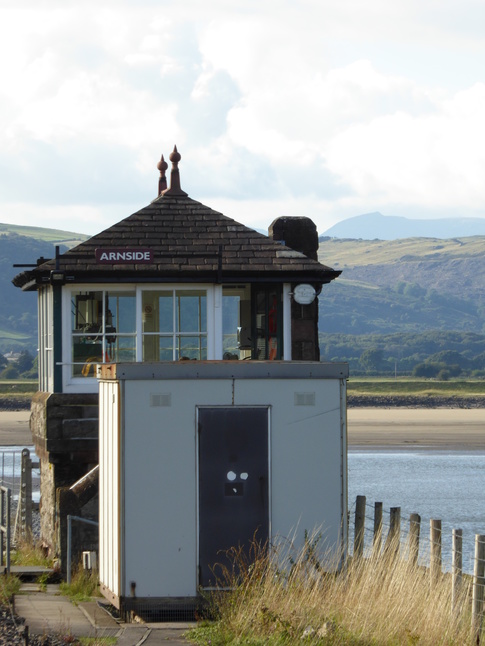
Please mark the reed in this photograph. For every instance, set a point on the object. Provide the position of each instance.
(379, 600)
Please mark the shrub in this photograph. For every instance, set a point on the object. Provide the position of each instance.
(10, 372)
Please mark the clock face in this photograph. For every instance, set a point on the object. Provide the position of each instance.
(304, 294)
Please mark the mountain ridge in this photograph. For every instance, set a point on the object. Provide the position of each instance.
(375, 225)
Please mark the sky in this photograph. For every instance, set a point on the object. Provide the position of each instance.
(322, 108)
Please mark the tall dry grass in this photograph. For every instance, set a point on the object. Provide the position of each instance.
(381, 599)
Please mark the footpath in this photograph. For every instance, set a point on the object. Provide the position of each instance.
(47, 612)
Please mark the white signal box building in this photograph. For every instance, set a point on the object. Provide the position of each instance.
(199, 457)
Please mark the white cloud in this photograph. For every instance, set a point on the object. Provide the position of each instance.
(435, 159)
(337, 108)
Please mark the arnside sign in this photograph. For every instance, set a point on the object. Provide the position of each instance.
(123, 256)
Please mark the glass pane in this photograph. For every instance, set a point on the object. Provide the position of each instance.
(157, 311)
(157, 348)
(268, 334)
(165, 348)
(86, 311)
(230, 327)
(192, 347)
(192, 311)
(122, 349)
(121, 312)
(85, 355)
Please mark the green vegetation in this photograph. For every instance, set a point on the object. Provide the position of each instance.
(18, 386)
(403, 286)
(9, 586)
(409, 386)
(54, 236)
(350, 252)
(382, 600)
(423, 355)
(29, 553)
(83, 586)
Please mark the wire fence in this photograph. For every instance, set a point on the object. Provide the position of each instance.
(20, 473)
(380, 532)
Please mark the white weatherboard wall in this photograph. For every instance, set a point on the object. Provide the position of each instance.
(109, 488)
(149, 462)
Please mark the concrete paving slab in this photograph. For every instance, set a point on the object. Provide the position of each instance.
(51, 613)
(48, 612)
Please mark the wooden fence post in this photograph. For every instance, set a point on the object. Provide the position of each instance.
(456, 566)
(359, 526)
(435, 550)
(413, 542)
(478, 585)
(377, 540)
(392, 544)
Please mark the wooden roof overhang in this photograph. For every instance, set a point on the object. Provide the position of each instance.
(186, 241)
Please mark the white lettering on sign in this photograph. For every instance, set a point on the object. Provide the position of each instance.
(118, 256)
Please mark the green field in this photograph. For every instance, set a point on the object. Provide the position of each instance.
(341, 252)
(18, 387)
(56, 236)
(417, 387)
(359, 386)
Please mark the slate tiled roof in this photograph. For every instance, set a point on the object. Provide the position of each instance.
(190, 242)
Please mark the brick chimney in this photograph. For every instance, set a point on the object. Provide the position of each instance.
(300, 233)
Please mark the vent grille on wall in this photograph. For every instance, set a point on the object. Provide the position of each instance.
(160, 399)
(304, 399)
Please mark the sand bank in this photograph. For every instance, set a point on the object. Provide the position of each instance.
(439, 428)
(14, 428)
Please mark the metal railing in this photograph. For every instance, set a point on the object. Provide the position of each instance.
(20, 475)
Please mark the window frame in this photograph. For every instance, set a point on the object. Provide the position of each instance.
(76, 384)
(72, 384)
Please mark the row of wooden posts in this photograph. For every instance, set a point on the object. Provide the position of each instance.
(392, 542)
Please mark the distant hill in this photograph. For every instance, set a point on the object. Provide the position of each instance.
(409, 285)
(389, 227)
(427, 293)
(54, 236)
(23, 246)
(405, 302)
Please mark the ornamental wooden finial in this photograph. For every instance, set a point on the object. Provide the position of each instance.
(162, 182)
(174, 189)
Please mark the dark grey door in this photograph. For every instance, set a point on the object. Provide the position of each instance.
(233, 485)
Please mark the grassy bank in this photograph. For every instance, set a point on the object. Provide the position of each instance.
(403, 386)
(18, 387)
(364, 386)
(377, 601)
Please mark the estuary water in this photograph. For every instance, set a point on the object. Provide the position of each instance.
(444, 485)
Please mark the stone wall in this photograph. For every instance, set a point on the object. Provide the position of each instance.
(65, 434)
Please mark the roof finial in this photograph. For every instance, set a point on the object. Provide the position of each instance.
(174, 189)
(162, 182)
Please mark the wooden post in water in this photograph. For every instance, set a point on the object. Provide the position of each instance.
(435, 550)
(393, 538)
(359, 526)
(456, 566)
(377, 540)
(413, 543)
(478, 585)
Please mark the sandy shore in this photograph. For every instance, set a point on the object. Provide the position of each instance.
(438, 428)
(14, 428)
(368, 428)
